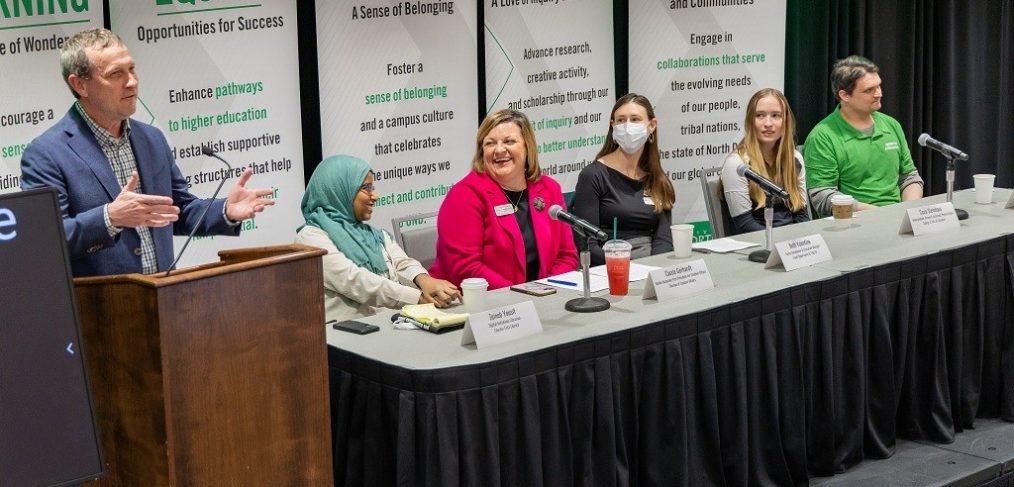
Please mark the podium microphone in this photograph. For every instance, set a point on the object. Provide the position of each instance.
(766, 184)
(580, 225)
(206, 150)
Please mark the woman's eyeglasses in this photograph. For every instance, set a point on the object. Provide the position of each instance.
(368, 187)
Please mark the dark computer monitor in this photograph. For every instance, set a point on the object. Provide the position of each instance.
(48, 434)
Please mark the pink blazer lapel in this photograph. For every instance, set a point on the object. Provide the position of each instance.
(542, 225)
(507, 223)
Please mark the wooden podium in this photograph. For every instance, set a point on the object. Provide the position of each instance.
(215, 375)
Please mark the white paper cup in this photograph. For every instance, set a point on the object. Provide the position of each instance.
(682, 237)
(473, 293)
(842, 206)
(984, 188)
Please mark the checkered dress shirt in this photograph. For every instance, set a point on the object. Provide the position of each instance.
(121, 158)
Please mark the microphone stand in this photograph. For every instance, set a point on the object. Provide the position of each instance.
(204, 212)
(586, 304)
(769, 217)
(962, 214)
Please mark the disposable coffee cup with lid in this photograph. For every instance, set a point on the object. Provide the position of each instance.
(473, 293)
(842, 206)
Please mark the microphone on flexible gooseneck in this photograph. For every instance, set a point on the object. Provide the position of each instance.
(582, 226)
(948, 151)
(587, 303)
(952, 154)
(766, 184)
(771, 189)
(200, 219)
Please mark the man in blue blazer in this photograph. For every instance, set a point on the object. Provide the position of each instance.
(120, 191)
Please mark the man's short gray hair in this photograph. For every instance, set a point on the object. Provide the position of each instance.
(847, 71)
(74, 59)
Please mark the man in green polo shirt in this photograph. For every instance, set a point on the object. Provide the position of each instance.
(856, 150)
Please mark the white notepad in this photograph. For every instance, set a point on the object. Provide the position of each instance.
(723, 245)
(575, 282)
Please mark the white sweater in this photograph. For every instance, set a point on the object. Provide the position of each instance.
(351, 291)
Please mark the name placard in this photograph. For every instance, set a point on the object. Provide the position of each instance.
(501, 325)
(678, 281)
(800, 252)
(1010, 202)
(930, 219)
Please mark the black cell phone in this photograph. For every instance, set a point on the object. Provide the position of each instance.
(357, 327)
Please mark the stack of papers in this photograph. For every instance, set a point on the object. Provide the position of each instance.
(430, 315)
(575, 282)
(598, 280)
(722, 245)
(638, 272)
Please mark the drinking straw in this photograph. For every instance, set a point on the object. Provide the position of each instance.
(614, 228)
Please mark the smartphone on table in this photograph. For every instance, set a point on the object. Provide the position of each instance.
(351, 326)
(534, 288)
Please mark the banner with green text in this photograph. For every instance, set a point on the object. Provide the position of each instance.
(699, 62)
(35, 95)
(554, 62)
(223, 74)
(398, 88)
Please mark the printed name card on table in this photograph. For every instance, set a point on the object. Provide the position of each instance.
(800, 252)
(678, 281)
(501, 325)
(930, 219)
(1010, 202)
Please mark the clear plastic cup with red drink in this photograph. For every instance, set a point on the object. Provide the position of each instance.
(617, 266)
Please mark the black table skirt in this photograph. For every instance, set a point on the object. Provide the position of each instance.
(769, 391)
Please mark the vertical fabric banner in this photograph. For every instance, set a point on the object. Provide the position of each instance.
(35, 95)
(398, 89)
(553, 60)
(699, 62)
(224, 75)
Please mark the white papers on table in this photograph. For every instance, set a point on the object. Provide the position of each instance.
(855, 214)
(638, 272)
(575, 282)
(723, 245)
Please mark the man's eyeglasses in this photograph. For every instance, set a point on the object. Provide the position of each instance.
(368, 187)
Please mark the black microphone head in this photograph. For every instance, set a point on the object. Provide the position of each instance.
(206, 150)
(741, 170)
(554, 212)
(923, 139)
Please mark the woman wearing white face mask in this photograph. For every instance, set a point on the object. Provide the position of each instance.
(627, 182)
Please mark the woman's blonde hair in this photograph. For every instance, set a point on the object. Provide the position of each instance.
(657, 184)
(532, 170)
(785, 172)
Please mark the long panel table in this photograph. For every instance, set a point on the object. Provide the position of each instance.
(767, 379)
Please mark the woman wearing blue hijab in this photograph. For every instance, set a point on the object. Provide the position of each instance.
(363, 269)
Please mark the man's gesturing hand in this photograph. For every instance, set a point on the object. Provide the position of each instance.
(244, 203)
(131, 209)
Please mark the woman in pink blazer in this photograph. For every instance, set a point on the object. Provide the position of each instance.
(495, 223)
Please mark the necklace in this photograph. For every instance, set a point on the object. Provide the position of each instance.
(518, 202)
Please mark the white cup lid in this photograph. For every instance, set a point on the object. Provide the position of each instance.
(842, 199)
(474, 282)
